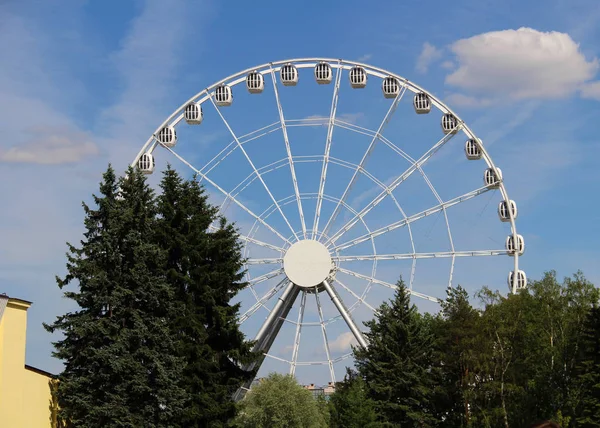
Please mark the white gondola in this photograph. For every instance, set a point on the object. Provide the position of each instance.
(521, 281)
(472, 150)
(358, 77)
(289, 75)
(146, 163)
(223, 96)
(193, 114)
(510, 245)
(503, 212)
(490, 180)
(255, 82)
(323, 73)
(390, 87)
(167, 136)
(449, 124)
(422, 103)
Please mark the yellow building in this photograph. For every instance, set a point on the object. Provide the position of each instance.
(25, 395)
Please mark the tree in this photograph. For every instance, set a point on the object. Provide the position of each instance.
(120, 364)
(204, 268)
(279, 401)
(588, 371)
(456, 353)
(350, 405)
(397, 364)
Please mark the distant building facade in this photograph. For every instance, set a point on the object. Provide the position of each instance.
(25, 392)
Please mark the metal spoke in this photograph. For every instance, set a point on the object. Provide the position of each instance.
(339, 304)
(325, 341)
(264, 261)
(410, 219)
(334, 102)
(227, 195)
(252, 240)
(399, 180)
(294, 362)
(365, 157)
(360, 299)
(265, 277)
(252, 166)
(264, 299)
(387, 284)
(289, 153)
(441, 254)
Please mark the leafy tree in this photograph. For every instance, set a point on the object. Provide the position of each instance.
(397, 364)
(120, 368)
(588, 371)
(279, 401)
(457, 343)
(204, 269)
(350, 405)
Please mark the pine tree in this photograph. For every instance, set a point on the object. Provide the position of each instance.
(120, 368)
(588, 372)
(397, 364)
(204, 269)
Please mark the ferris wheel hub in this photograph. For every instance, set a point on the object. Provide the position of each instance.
(307, 263)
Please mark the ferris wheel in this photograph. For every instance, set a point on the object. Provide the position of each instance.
(317, 195)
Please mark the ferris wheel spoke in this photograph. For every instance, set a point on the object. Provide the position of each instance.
(399, 180)
(325, 340)
(251, 240)
(265, 277)
(330, 126)
(258, 174)
(433, 255)
(227, 195)
(356, 296)
(365, 157)
(411, 219)
(264, 261)
(264, 299)
(289, 153)
(387, 284)
(339, 304)
(296, 350)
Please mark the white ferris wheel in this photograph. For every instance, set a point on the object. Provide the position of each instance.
(329, 197)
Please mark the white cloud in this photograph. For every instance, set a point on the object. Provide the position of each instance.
(364, 58)
(428, 55)
(462, 100)
(519, 64)
(448, 65)
(51, 146)
(591, 90)
(343, 342)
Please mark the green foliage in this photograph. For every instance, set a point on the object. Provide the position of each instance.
(120, 364)
(350, 407)
(396, 366)
(588, 371)
(204, 268)
(279, 401)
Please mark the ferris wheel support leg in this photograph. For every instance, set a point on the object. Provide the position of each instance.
(345, 314)
(268, 332)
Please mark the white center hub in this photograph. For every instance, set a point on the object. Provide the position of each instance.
(307, 263)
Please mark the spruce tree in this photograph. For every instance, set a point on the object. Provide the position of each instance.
(204, 270)
(120, 366)
(397, 364)
(588, 371)
(350, 405)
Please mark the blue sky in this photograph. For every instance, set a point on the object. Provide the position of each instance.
(85, 83)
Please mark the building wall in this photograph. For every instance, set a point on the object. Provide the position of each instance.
(24, 393)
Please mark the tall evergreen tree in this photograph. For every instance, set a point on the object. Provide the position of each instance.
(204, 269)
(397, 364)
(120, 365)
(350, 405)
(588, 372)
